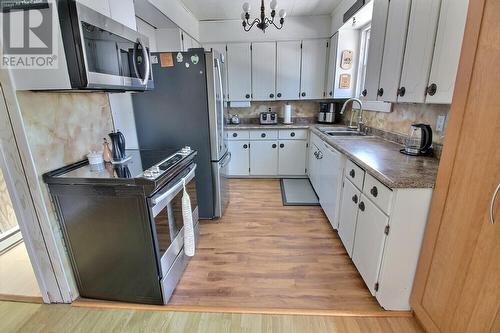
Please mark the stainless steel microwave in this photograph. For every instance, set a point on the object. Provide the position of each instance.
(95, 53)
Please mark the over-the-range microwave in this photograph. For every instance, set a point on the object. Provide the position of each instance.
(95, 52)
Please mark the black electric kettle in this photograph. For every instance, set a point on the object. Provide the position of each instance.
(118, 144)
(419, 141)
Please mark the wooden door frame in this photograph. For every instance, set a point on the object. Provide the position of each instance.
(24, 186)
(448, 158)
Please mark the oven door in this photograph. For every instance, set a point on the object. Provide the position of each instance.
(114, 56)
(167, 220)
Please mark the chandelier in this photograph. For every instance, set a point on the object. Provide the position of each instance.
(263, 22)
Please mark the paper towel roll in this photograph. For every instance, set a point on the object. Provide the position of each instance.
(287, 114)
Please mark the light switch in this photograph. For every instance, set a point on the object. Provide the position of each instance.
(440, 123)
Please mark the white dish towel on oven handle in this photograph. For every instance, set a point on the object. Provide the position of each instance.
(187, 215)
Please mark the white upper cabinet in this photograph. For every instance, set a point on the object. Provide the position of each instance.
(449, 37)
(101, 6)
(123, 11)
(312, 85)
(288, 56)
(394, 47)
(263, 71)
(375, 50)
(239, 71)
(422, 28)
(332, 65)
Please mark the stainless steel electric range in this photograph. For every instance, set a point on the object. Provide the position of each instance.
(123, 224)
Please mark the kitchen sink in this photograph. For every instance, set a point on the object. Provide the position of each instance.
(345, 133)
(341, 131)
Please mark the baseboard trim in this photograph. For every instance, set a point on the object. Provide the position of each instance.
(21, 298)
(90, 303)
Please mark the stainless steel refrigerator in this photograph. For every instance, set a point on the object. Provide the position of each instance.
(187, 107)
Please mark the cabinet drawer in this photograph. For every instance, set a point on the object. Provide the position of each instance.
(378, 193)
(238, 135)
(263, 135)
(293, 134)
(355, 174)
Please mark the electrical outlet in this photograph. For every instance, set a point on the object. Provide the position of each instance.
(440, 123)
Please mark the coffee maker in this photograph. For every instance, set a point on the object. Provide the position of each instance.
(118, 147)
(326, 113)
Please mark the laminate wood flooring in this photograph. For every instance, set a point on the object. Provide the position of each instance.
(262, 254)
(24, 317)
(17, 279)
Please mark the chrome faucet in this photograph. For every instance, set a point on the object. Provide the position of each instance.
(360, 114)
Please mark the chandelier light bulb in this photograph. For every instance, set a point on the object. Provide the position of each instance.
(274, 4)
(246, 7)
(282, 13)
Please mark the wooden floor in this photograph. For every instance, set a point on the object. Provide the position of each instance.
(24, 317)
(17, 279)
(262, 254)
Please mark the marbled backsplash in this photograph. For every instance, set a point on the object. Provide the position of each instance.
(61, 129)
(300, 109)
(7, 216)
(398, 121)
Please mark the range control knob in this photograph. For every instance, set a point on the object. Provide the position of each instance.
(148, 174)
(155, 169)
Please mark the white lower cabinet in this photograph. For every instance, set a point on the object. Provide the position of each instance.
(264, 158)
(381, 228)
(292, 157)
(240, 158)
(348, 215)
(369, 242)
(259, 152)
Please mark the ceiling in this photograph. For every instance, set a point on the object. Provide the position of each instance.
(231, 9)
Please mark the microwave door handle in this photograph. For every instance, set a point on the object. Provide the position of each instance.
(145, 56)
(175, 188)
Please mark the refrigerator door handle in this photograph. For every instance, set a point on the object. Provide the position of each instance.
(219, 73)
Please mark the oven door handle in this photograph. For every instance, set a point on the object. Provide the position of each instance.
(174, 189)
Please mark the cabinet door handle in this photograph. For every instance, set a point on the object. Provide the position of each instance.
(282, 145)
(247, 95)
(292, 134)
(303, 94)
(362, 206)
(330, 93)
(492, 204)
(352, 173)
(401, 91)
(355, 198)
(365, 92)
(374, 191)
(263, 135)
(279, 95)
(245, 146)
(380, 92)
(274, 145)
(271, 95)
(432, 89)
(235, 135)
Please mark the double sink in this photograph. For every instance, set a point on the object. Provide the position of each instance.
(341, 131)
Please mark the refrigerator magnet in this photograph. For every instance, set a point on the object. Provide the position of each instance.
(195, 59)
(180, 58)
(166, 60)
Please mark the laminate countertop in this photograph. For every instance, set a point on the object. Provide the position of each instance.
(381, 159)
(377, 156)
(268, 127)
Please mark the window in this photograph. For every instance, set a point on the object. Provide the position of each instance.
(363, 59)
